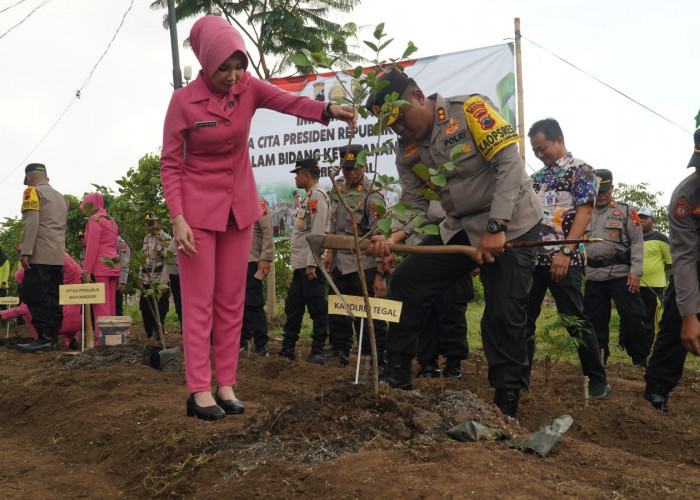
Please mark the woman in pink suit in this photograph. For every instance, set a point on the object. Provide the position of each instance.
(213, 202)
(72, 319)
(101, 234)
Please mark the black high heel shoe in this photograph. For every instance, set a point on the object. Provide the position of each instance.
(230, 406)
(205, 413)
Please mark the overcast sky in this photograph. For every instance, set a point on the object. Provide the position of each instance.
(644, 49)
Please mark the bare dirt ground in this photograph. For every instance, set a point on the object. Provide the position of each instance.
(102, 425)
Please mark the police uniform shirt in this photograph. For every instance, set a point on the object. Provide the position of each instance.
(312, 218)
(366, 217)
(263, 246)
(44, 219)
(154, 250)
(489, 182)
(619, 227)
(124, 253)
(684, 224)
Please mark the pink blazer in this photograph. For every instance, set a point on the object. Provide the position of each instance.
(214, 176)
(100, 238)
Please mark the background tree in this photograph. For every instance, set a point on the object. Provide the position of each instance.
(638, 195)
(277, 29)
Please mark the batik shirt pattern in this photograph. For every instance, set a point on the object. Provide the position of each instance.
(562, 187)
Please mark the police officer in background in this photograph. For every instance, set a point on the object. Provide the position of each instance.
(489, 200)
(613, 271)
(308, 287)
(358, 191)
(82, 245)
(679, 330)
(124, 254)
(44, 219)
(262, 256)
(152, 273)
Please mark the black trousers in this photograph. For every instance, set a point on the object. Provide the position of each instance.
(177, 297)
(446, 331)
(569, 299)
(634, 332)
(40, 291)
(340, 328)
(666, 363)
(119, 303)
(420, 279)
(304, 293)
(254, 318)
(652, 297)
(149, 322)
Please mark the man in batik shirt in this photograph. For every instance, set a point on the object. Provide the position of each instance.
(567, 189)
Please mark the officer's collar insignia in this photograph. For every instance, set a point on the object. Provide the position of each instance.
(441, 116)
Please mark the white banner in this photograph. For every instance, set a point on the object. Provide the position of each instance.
(277, 140)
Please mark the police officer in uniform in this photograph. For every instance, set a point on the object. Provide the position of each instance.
(124, 253)
(679, 330)
(358, 191)
(489, 200)
(44, 219)
(152, 273)
(613, 271)
(262, 255)
(308, 287)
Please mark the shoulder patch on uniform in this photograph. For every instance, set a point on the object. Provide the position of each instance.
(410, 150)
(313, 206)
(263, 205)
(490, 130)
(636, 221)
(30, 199)
(681, 209)
(696, 210)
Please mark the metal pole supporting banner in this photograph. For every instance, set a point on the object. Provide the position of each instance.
(172, 27)
(519, 85)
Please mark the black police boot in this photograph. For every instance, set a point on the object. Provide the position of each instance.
(453, 368)
(657, 396)
(399, 371)
(38, 345)
(287, 351)
(341, 357)
(429, 369)
(507, 401)
(316, 357)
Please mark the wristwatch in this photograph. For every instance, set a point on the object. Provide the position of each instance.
(566, 251)
(495, 226)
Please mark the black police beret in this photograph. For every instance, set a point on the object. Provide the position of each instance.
(348, 155)
(605, 178)
(309, 163)
(398, 82)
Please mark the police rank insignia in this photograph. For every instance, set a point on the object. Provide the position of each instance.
(30, 199)
(681, 209)
(312, 206)
(441, 116)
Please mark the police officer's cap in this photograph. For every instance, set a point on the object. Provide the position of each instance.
(35, 166)
(150, 218)
(81, 235)
(695, 159)
(605, 179)
(309, 164)
(398, 82)
(348, 155)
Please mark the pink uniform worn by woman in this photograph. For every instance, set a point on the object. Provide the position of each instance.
(210, 191)
(100, 241)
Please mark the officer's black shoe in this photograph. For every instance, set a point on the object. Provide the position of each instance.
(657, 397)
(453, 368)
(262, 351)
(73, 344)
(244, 345)
(639, 361)
(342, 358)
(599, 390)
(316, 358)
(507, 401)
(38, 346)
(429, 369)
(285, 352)
(399, 371)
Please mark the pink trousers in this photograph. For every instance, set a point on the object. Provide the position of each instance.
(212, 284)
(109, 308)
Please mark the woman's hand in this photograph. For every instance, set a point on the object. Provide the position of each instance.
(344, 112)
(183, 236)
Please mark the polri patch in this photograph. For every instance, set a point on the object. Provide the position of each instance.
(30, 199)
(205, 124)
(681, 209)
(617, 212)
(313, 206)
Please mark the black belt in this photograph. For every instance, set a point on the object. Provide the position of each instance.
(618, 258)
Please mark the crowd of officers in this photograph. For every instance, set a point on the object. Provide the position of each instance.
(487, 201)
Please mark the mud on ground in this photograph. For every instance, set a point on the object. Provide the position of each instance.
(102, 425)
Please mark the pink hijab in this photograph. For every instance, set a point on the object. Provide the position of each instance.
(213, 41)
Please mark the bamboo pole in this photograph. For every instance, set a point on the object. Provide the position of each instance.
(519, 84)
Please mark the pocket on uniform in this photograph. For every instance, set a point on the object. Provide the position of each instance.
(521, 277)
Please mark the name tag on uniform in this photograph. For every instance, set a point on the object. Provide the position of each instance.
(550, 198)
(205, 124)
